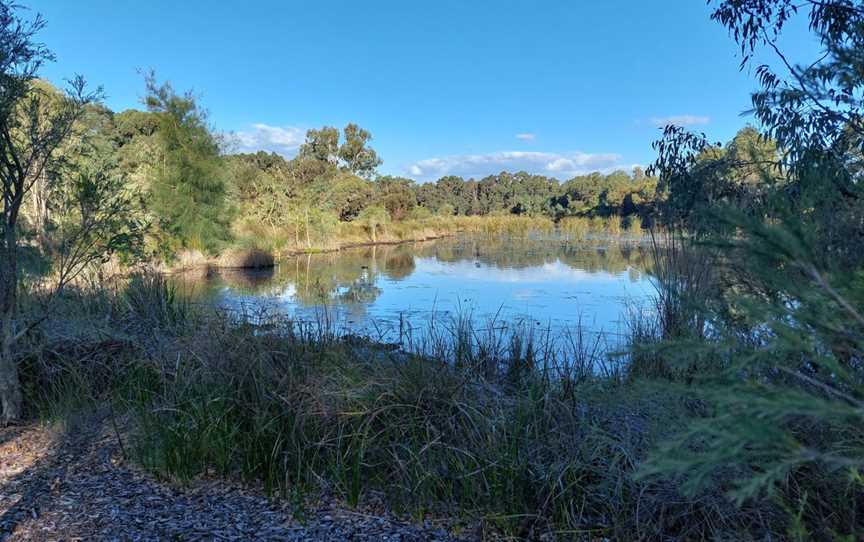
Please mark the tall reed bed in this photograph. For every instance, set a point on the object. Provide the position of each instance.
(609, 228)
(333, 235)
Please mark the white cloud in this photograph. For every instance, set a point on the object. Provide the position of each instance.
(680, 120)
(263, 137)
(556, 271)
(560, 165)
(527, 136)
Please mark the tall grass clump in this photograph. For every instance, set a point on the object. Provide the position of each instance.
(634, 225)
(494, 427)
(575, 227)
(150, 298)
(683, 276)
(99, 331)
(612, 225)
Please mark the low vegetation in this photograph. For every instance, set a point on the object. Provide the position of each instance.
(732, 411)
(513, 428)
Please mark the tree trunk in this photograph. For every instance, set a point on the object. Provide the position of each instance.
(308, 240)
(10, 386)
(39, 198)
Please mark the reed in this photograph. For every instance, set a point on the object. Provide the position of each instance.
(529, 432)
(612, 225)
(575, 227)
(634, 225)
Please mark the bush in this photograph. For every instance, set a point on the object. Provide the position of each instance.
(240, 257)
(782, 400)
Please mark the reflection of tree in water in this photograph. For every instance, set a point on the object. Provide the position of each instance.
(350, 277)
(519, 253)
(399, 263)
(248, 281)
(361, 290)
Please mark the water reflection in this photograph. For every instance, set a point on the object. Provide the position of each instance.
(548, 282)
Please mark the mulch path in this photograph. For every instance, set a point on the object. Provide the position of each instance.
(72, 485)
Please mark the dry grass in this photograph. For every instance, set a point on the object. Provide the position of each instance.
(241, 257)
(190, 259)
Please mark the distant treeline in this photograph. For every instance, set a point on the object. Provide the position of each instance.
(195, 194)
(521, 193)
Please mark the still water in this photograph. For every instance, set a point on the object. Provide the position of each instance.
(387, 292)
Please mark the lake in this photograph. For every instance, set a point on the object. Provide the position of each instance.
(394, 292)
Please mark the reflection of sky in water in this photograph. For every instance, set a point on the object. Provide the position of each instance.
(552, 293)
(559, 287)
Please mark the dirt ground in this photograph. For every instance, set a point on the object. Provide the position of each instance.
(72, 484)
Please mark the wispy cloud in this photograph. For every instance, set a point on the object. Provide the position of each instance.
(263, 137)
(527, 136)
(559, 165)
(680, 120)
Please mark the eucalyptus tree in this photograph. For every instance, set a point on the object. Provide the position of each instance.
(373, 219)
(352, 154)
(355, 153)
(397, 195)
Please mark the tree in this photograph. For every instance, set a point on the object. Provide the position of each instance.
(188, 188)
(356, 155)
(352, 155)
(137, 146)
(263, 190)
(30, 135)
(782, 411)
(345, 193)
(373, 218)
(396, 195)
(321, 145)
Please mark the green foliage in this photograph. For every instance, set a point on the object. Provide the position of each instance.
(488, 438)
(345, 194)
(41, 143)
(396, 195)
(374, 218)
(96, 210)
(188, 187)
(198, 199)
(782, 397)
(358, 158)
(352, 155)
(771, 346)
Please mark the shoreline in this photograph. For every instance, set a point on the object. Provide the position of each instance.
(212, 264)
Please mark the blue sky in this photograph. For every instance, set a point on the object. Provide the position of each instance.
(446, 87)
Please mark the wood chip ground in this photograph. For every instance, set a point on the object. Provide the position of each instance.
(68, 485)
